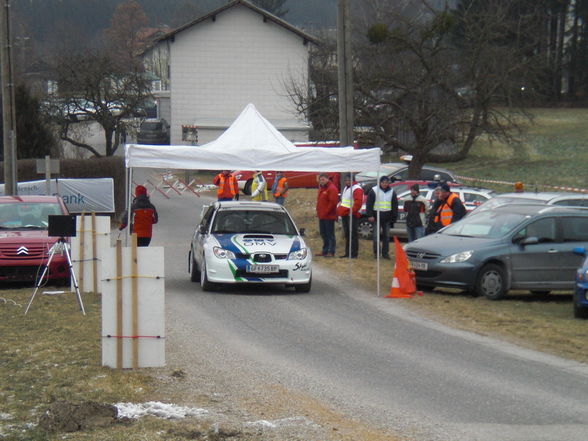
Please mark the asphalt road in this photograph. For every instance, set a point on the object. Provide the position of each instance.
(377, 361)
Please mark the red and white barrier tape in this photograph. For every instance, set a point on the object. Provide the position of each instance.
(493, 181)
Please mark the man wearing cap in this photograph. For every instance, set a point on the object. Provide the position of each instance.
(143, 216)
(447, 210)
(382, 202)
(351, 200)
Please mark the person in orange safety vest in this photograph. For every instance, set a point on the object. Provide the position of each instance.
(447, 210)
(143, 216)
(228, 189)
(280, 188)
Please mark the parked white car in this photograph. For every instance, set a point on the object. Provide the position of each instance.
(243, 242)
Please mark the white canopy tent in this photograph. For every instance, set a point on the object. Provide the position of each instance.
(250, 143)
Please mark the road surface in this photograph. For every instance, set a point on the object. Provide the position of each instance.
(371, 358)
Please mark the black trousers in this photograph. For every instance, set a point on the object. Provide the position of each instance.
(143, 241)
(354, 240)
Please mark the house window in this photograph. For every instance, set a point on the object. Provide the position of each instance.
(190, 134)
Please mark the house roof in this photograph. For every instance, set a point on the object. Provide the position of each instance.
(266, 15)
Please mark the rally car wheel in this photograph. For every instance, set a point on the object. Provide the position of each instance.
(303, 287)
(194, 270)
(205, 284)
(365, 229)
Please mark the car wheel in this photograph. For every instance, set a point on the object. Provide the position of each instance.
(247, 188)
(205, 284)
(194, 270)
(580, 312)
(365, 229)
(304, 287)
(491, 282)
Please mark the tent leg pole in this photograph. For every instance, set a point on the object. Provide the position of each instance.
(129, 191)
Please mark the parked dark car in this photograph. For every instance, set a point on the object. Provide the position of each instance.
(526, 247)
(581, 292)
(398, 171)
(153, 131)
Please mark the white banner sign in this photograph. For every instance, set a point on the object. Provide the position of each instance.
(79, 195)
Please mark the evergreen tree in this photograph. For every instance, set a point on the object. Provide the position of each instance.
(272, 6)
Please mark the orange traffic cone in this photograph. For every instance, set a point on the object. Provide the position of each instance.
(403, 279)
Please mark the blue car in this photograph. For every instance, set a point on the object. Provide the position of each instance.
(581, 292)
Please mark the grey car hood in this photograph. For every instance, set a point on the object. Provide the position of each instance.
(446, 245)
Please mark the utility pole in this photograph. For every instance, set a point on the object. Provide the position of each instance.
(8, 106)
(345, 74)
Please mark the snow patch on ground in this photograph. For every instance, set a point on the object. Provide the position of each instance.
(157, 409)
(283, 422)
(5, 416)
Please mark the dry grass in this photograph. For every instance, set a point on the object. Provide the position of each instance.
(542, 322)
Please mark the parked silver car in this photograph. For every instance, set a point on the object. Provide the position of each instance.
(512, 246)
(566, 199)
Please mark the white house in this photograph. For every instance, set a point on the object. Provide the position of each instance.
(211, 68)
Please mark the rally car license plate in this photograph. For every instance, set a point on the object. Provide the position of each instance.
(263, 269)
(421, 266)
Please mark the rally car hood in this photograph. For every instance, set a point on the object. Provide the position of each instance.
(250, 243)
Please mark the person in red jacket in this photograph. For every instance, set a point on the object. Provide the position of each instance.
(228, 189)
(351, 200)
(326, 211)
(143, 216)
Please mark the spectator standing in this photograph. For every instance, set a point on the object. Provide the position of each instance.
(416, 209)
(280, 188)
(258, 187)
(143, 216)
(326, 211)
(351, 200)
(228, 188)
(382, 202)
(447, 210)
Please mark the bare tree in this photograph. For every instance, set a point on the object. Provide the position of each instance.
(92, 86)
(430, 81)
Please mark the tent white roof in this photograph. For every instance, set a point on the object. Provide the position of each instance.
(252, 143)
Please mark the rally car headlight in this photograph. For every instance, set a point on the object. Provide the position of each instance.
(458, 257)
(221, 253)
(298, 255)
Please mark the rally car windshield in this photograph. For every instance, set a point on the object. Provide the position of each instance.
(27, 216)
(247, 221)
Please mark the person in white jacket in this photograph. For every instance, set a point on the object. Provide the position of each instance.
(258, 187)
(416, 209)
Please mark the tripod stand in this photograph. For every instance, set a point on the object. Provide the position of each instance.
(59, 246)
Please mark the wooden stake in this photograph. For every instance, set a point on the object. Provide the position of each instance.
(134, 302)
(119, 306)
(82, 253)
(94, 255)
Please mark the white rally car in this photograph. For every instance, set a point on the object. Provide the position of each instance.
(246, 242)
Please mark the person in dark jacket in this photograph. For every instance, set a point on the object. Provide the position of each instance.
(383, 202)
(447, 210)
(416, 208)
(326, 211)
(143, 216)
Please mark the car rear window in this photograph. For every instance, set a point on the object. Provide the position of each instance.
(151, 126)
(248, 221)
(27, 215)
